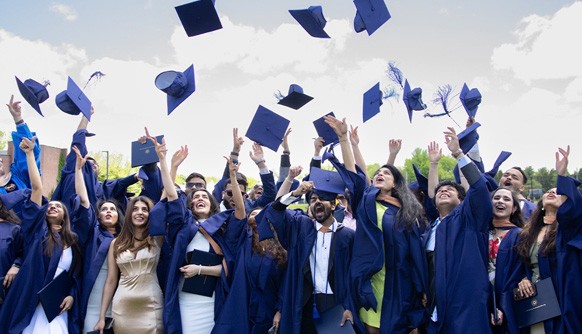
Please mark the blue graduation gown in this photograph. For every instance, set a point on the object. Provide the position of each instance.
(528, 209)
(507, 261)
(176, 223)
(254, 295)
(37, 271)
(95, 242)
(461, 256)
(11, 244)
(402, 253)
(110, 189)
(297, 234)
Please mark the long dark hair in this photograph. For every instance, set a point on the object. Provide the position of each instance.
(515, 218)
(120, 215)
(214, 206)
(126, 239)
(410, 209)
(8, 215)
(529, 235)
(271, 247)
(66, 235)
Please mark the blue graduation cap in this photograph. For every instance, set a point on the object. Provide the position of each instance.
(325, 131)
(372, 102)
(198, 17)
(177, 85)
(421, 179)
(267, 128)
(327, 184)
(312, 20)
(468, 137)
(33, 92)
(470, 99)
(370, 15)
(500, 159)
(412, 99)
(295, 99)
(73, 101)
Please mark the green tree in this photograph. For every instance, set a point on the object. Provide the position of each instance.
(546, 178)
(2, 140)
(114, 168)
(420, 159)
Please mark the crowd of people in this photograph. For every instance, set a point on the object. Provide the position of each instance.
(370, 254)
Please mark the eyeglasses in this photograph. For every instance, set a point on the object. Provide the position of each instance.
(197, 185)
(229, 193)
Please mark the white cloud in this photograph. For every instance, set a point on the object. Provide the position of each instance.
(546, 47)
(67, 12)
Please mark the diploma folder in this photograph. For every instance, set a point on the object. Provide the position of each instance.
(143, 154)
(52, 295)
(539, 307)
(329, 322)
(202, 284)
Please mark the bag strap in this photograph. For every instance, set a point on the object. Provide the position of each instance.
(216, 248)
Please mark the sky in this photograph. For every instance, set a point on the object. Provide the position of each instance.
(523, 56)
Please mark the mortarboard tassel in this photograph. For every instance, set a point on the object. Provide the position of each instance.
(278, 95)
(390, 92)
(442, 97)
(395, 74)
(97, 75)
(315, 312)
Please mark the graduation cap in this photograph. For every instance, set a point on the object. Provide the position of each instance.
(325, 131)
(267, 128)
(370, 15)
(372, 102)
(198, 17)
(312, 20)
(33, 92)
(177, 85)
(468, 137)
(294, 185)
(500, 159)
(412, 99)
(470, 99)
(327, 184)
(295, 99)
(73, 101)
(421, 179)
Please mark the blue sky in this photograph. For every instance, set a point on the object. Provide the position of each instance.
(520, 54)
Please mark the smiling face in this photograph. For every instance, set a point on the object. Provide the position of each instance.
(551, 199)
(320, 210)
(140, 214)
(55, 213)
(200, 204)
(383, 180)
(503, 204)
(447, 196)
(108, 215)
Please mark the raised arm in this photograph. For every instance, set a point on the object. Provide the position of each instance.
(161, 150)
(360, 162)
(286, 186)
(317, 147)
(27, 145)
(239, 202)
(177, 158)
(285, 158)
(434, 156)
(341, 129)
(394, 146)
(80, 186)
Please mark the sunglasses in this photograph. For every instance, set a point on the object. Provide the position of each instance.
(197, 185)
(229, 193)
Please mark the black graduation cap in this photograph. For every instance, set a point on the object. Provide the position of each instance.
(198, 17)
(295, 98)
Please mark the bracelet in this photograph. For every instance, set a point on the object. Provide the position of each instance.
(286, 152)
(235, 161)
(260, 160)
(199, 269)
(19, 122)
(16, 265)
(290, 181)
(234, 153)
(457, 153)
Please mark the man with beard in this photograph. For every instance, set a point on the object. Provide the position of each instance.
(319, 253)
(516, 179)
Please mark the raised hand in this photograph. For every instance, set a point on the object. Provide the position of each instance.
(27, 145)
(354, 137)
(179, 156)
(81, 160)
(161, 149)
(339, 127)
(434, 152)
(15, 109)
(318, 145)
(304, 188)
(294, 172)
(257, 153)
(236, 140)
(562, 164)
(394, 146)
(232, 167)
(285, 142)
(451, 139)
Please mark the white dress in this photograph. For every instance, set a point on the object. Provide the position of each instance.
(39, 323)
(94, 303)
(196, 311)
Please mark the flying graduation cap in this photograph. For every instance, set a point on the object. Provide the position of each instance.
(325, 131)
(312, 20)
(372, 102)
(295, 99)
(73, 101)
(370, 15)
(198, 17)
(412, 99)
(470, 99)
(177, 85)
(33, 92)
(267, 128)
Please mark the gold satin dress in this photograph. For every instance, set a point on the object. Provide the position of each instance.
(138, 301)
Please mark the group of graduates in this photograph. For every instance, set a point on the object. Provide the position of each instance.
(372, 254)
